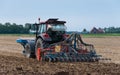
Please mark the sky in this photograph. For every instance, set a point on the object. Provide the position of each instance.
(78, 14)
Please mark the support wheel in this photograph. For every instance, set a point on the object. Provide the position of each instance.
(27, 51)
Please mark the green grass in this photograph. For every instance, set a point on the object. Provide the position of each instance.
(101, 35)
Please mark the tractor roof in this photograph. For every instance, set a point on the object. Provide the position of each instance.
(53, 21)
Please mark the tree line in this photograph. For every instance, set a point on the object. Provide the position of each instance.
(14, 28)
(102, 30)
(112, 30)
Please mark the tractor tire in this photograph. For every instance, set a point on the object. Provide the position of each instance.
(28, 51)
(39, 44)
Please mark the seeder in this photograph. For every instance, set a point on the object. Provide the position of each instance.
(73, 49)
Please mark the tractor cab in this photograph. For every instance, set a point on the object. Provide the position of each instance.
(51, 31)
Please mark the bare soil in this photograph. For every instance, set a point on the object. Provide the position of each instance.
(12, 62)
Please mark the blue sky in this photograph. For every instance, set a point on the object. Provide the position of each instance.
(79, 14)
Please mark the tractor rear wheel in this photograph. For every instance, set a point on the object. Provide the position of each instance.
(39, 45)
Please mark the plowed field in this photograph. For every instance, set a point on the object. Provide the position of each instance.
(12, 62)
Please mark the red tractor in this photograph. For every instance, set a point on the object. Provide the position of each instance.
(48, 32)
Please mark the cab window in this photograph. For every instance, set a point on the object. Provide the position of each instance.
(42, 28)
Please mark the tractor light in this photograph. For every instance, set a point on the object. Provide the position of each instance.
(45, 35)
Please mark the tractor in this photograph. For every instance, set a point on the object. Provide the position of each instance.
(48, 32)
(53, 44)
